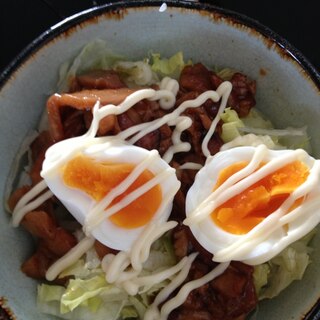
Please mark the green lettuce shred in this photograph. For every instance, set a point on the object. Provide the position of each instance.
(254, 124)
(225, 73)
(231, 125)
(97, 55)
(78, 270)
(274, 276)
(89, 296)
(168, 66)
(128, 312)
(49, 301)
(49, 293)
(89, 293)
(139, 305)
(234, 127)
(256, 120)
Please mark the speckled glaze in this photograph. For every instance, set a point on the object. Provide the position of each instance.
(288, 92)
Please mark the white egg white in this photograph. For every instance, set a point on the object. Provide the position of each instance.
(214, 239)
(79, 203)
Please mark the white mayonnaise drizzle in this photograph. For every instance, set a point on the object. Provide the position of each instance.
(153, 312)
(223, 91)
(94, 218)
(69, 258)
(180, 122)
(241, 180)
(26, 204)
(190, 166)
(124, 268)
(250, 139)
(139, 72)
(242, 246)
(185, 290)
(278, 219)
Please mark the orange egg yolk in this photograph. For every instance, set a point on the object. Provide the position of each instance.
(244, 211)
(98, 179)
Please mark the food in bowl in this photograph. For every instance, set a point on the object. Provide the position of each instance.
(158, 191)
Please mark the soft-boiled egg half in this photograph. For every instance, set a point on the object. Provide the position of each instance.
(249, 203)
(83, 172)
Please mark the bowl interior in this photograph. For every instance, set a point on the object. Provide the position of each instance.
(285, 93)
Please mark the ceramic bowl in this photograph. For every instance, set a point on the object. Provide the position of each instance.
(288, 93)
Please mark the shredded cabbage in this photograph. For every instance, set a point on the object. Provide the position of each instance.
(225, 73)
(256, 120)
(128, 312)
(89, 296)
(231, 125)
(168, 67)
(147, 73)
(49, 301)
(97, 55)
(272, 277)
(255, 124)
